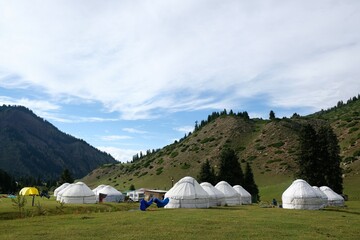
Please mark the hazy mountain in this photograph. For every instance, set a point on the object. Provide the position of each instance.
(31, 146)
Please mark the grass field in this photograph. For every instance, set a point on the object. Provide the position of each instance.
(125, 221)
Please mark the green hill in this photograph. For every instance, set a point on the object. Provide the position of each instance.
(269, 146)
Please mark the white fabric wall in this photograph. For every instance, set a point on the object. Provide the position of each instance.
(232, 197)
(187, 193)
(300, 195)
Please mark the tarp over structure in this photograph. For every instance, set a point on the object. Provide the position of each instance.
(29, 191)
(112, 195)
(61, 187)
(78, 193)
(334, 199)
(216, 197)
(300, 195)
(245, 196)
(145, 204)
(322, 195)
(161, 203)
(187, 193)
(232, 197)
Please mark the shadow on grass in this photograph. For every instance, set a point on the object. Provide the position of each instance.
(341, 210)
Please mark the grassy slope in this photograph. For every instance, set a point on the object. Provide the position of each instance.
(242, 222)
(270, 147)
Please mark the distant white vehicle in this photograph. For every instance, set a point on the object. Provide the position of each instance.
(136, 195)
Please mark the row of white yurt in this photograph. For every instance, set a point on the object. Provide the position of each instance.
(188, 193)
(300, 195)
(79, 193)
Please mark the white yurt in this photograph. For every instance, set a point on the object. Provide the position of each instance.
(78, 193)
(300, 195)
(334, 199)
(187, 193)
(216, 198)
(112, 195)
(232, 197)
(322, 195)
(59, 193)
(245, 196)
(61, 187)
(96, 191)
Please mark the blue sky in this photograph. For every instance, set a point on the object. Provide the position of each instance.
(127, 76)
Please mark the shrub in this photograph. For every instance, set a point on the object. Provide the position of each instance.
(260, 148)
(274, 160)
(174, 154)
(159, 170)
(356, 153)
(210, 139)
(353, 129)
(277, 145)
(19, 202)
(251, 158)
(348, 159)
(185, 166)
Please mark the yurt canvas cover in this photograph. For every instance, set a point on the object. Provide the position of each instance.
(78, 193)
(59, 193)
(300, 195)
(58, 189)
(96, 191)
(232, 197)
(245, 196)
(322, 195)
(187, 193)
(334, 199)
(112, 195)
(216, 198)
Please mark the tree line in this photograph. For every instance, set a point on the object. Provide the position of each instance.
(11, 185)
(230, 171)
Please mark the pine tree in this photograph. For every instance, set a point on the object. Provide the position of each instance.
(207, 173)
(308, 158)
(271, 115)
(250, 185)
(319, 158)
(331, 159)
(230, 168)
(66, 177)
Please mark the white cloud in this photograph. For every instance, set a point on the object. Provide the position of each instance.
(38, 106)
(185, 129)
(122, 155)
(133, 130)
(115, 137)
(142, 58)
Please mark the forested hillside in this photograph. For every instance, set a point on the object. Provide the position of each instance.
(32, 147)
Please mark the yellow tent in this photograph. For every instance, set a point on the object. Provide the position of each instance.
(29, 191)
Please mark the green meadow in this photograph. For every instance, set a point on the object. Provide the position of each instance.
(50, 220)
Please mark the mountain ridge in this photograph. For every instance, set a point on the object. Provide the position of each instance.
(31, 146)
(270, 146)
